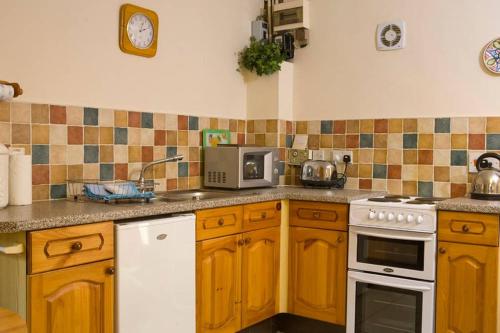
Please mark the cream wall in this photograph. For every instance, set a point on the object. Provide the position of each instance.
(340, 75)
(66, 52)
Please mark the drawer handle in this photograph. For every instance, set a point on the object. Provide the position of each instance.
(278, 206)
(247, 240)
(220, 222)
(76, 246)
(316, 215)
(110, 271)
(340, 239)
(263, 215)
(465, 228)
(442, 250)
(241, 242)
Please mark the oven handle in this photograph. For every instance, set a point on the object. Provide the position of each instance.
(392, 236)
(358, 278)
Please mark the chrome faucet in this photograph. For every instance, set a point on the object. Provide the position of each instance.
(142, 181)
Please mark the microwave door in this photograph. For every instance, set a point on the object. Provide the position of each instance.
(382, 304)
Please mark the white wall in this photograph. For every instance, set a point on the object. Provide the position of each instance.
(67, 52)
(340, 75)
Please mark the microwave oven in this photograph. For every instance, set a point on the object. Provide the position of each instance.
(235, 167)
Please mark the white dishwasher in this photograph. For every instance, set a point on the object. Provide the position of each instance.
(155, 275)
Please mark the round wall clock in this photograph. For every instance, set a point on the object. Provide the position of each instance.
(491, 56)
(138, 30)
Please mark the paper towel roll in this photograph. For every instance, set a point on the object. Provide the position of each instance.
(20, 180)
(6, 92)
(4, 180)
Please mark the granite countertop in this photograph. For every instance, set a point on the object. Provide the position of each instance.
(466, 204)
(51, 214)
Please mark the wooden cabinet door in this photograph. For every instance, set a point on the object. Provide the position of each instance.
(260, 275)
(218, 285)
(73, 300)
(317, 287)
(466, 288)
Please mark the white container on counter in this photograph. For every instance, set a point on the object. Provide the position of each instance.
(19, 178)
(4, 176)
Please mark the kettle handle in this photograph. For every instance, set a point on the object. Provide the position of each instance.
(485, 156)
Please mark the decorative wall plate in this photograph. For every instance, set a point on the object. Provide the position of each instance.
(491, 56)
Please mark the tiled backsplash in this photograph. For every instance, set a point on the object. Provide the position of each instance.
(87, 143)
(424, 156)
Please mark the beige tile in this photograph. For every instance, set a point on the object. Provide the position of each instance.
(223, 123)
(193, 138)
(314, 127)
(159, 153)
(379, 184)
(171, 170)
(394, 186)
(442, 141)
(74, 154)
(91, 171)
(134, 170)
(147, 136)
(492, 124)
(58, 154)
(441, 157)
(106, 117)
(409, 172)
(425, 173)
(459, 125)
(259, 126)
(121, 154)
(159, 120)
(365, 156)
(20, 113)
(395, 156)
(58, 135)
(458, 174)
(477, 125)
(74, 115)
(425, 125)
(171, 122)
(39, 134)
(161, 185)
(366, 126)
(204, 123)
(442, 189)
(271, 140)
(134, 136)
(380, 156)
(395, 140)
(41, 192)
(5, 133)
(39, 114)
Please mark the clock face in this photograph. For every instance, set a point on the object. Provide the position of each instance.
(140, 31)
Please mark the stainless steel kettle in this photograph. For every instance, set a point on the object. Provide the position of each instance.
(486, 185)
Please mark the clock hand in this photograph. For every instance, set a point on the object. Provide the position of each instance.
(144, 29)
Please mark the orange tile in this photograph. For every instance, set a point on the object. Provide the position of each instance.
(441, 173)
(395, 126)
(75, 135)
(425, 156)
(338, 141)
(134, 119)
(410, 156)
(425, 141)
(352, 126)
(394, 172)
(410, 125)
(381, 125)
(39, 114)
(380, 141)
(366, 126)
(57, 114)
(182, 122)
(326, 141)
(476, 141)
(380, 156)
(458, 190)
(493, 125)
(339, 126)
(40, 192)
(91, 135)
(365, 184)
(58, 174)
(147, 153)
(134, 154)
(40, 174)
(40, 134)
(160, 138)
(459, 141)
(106, 154)
(21, 134)
(121, 171)
(106, 135)
(271, 126)
(121, 118)
(171, 184)
(5, 111)
(409, 188)
(313, 141)
(352, 141)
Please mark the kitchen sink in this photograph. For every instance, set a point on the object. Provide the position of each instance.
(192, 195)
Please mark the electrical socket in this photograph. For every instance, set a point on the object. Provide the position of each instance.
(338, 155)
(474, 155)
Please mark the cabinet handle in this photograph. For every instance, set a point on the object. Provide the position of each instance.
(241, 242)
(77, 246)
(263, 215)
(442, 250)
(220, 222)
(110, 271)
(247, 240)
(465, 228)
(316, 215)
(340, 239)
(278, 206)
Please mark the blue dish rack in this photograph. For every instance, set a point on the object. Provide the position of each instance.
(113, 191)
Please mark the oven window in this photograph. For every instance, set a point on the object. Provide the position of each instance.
(253, 166)
(391, 252)
(382, 309)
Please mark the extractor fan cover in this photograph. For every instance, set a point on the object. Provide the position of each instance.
(391, 35)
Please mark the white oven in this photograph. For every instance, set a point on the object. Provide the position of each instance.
(392, 252)
(386, 304)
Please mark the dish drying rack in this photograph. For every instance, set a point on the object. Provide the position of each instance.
(110, 191)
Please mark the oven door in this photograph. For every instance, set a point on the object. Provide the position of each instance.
(383, 304)
(393, 252)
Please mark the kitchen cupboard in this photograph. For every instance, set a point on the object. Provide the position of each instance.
(318, 265)
(237, 275)
(467, 273)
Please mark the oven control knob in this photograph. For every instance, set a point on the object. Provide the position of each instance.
(390, 217)
(381, 216)
(420, 219)
(409, 218)
(400, 218)
(371, 215)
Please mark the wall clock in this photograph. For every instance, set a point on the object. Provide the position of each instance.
(138, 30)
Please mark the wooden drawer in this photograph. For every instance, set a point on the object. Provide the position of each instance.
(472, 228)
(318, 215)
(64, 247)
(217, 222)
(261, 215)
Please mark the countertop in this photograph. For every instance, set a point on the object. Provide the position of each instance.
(466, 204)
(51, 214)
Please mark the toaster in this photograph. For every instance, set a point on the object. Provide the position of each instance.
(318, 173)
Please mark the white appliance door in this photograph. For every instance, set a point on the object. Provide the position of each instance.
(393, 252)
(384, 304)
(155, 276)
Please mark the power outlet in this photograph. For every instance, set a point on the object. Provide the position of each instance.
(474, 155)
(338, 156)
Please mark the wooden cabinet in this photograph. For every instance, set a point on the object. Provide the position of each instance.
(260, 275)
(261, 215)
(467, 293)
(77, 299)
(318, 215)
(218, 285)
(218, 222)
(318, 269)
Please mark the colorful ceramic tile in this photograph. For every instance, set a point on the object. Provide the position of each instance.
(90, 135)
(39, 114)
(90, 116)
(58, 174)
(121, 118)
(134, 119)
(326, 127)
(381, 126)
(74, 116)
(20, 113)
(91, 154)
(106, 171)
(492, 141)
(75, 135)
(442, 125)
(40, 134)
(40, 154)
(58, 191)
(21, 134)
(477, 141)
(458, 157)
(147, 120)
(410, 141)
(57, 114)
(425, 189)
(106, 135)
(40, 174)
(379, 171)
(366, 141)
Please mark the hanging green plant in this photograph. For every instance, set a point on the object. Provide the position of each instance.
(262, 57)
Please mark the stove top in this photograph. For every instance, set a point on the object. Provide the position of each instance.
(406, 200)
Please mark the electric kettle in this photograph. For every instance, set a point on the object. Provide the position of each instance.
(486, 185)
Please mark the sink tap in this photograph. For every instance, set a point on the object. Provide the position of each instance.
(142, 181)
